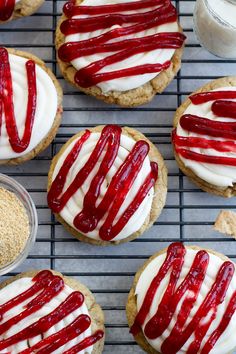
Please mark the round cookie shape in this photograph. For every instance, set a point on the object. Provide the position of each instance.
(31, 106)
(203, 137)
(14, 9)
(183, 301)
(107, 185)
(109, 49)
(45, 311)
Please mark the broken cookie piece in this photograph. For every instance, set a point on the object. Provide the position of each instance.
(226, 223)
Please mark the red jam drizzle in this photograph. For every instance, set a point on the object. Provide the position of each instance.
(18, 144)
(107, 16)
(6, 9)
(198, 326)
(221, 106)
(204, 97)
(224, 108)
(88, 219)
(70, 9)
(194, 142)
(209, 127)
(47, 286)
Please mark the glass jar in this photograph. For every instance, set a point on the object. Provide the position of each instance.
(215, 26)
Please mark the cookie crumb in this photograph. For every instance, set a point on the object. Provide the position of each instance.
(14, 227)
(226, 223)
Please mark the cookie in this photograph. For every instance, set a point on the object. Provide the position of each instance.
(135, 68)
(226, 223)
(14, 9)
(61, 315)
(197, 312)
(32, 106)
(107, 185)
(204, 137)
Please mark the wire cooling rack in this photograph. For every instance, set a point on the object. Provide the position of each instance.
(189, 213)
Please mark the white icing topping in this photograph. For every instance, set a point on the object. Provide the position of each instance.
(45, 112)
(153, 57)
(75, 204)
(21, 285)
(219, 175)
(227, 341)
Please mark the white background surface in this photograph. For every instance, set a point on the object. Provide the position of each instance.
(185, 202)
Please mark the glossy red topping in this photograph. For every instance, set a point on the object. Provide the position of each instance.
(70, 9)
(46, 286)
(204, 97)
(7, 105)
(106, 16)
(195, 142)
(173, 295)
(224, 108)
(88, 219)
(6, 9)
(208, 127)
(225, 131)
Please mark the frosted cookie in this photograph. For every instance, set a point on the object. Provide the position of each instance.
(204, 137)
(107, 185)
(183, 300)
(13, 9)
(120, 52)
(30, 106)
(45, 312)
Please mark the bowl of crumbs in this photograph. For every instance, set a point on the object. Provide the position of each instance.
(18, 224)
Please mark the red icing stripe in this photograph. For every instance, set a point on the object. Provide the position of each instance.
(196, 142)
(230, 310)
(71, 9)
(49, 285)
(110, 15)
(89, 24)
(157, 41)
(172, 296)
(87, 342)
(53, 288)
(7, 105)
(55, 341)
(217, 160)
(222, 106)
(6, 9)
(204, 97)
(87, 77)
(209, 127)
(41, 281)
(175, 254)
(88, 219)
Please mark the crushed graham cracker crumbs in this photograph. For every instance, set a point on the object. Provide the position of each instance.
(14, 227)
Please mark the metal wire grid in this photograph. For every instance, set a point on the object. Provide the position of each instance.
(189, 213)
